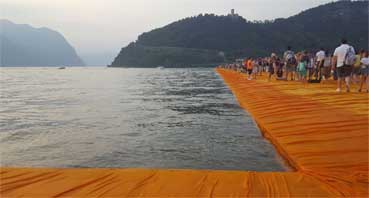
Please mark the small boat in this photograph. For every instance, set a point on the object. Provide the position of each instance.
(160, 67)
(62, 68)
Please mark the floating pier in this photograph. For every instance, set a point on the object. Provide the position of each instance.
(321, 134)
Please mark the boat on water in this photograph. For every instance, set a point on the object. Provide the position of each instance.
(62, 68)
(160, 67)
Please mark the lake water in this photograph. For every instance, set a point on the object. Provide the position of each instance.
(126, 118)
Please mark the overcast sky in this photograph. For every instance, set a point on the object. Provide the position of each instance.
(104, 26)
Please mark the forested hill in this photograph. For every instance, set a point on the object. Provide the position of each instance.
(204, 39)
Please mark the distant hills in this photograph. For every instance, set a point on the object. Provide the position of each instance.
(23, 45)
(209, 39)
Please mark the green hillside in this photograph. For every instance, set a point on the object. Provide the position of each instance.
(200, 39)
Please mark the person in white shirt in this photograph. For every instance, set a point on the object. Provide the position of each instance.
(364, 72)
(326, 71)
(343, 71)
(320, 56)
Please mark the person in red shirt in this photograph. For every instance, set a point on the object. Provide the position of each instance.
(250, 66)
(245, 65)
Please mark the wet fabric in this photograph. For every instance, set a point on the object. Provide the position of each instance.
(323, 135)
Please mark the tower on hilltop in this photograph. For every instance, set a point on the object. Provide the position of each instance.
(233, 14)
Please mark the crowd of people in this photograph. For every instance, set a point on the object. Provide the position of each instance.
(344, 65)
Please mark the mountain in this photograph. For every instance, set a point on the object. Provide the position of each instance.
(23, 45)
(235, 37)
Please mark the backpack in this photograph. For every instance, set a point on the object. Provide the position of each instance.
(289, 55)
(291, 60)
(350, 57)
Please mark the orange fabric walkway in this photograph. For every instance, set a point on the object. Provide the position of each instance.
(322, 135)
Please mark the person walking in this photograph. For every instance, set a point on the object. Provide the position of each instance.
(310, 66)
(364, 72)
(290, 62)
(327, 66)
(250, 65)
(357, 67)
(343, 61)
(320, 57)
(301, 68)
(255, 69)
(272, 67)
(245, 65)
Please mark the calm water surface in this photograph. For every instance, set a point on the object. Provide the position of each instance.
(146, 118)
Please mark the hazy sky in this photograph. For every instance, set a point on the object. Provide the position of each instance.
(104, 26)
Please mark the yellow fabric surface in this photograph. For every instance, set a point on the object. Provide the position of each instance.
(322, 135)
(155, 183)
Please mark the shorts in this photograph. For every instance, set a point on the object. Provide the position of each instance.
(290, 68)
(310, 71)
(365, 71)
(301, 69)
(321, 64)
(344, 71)
(326, 71)
(260, 68)
(357, 70)
(302, 73)
(271, 70)
(249, 71)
